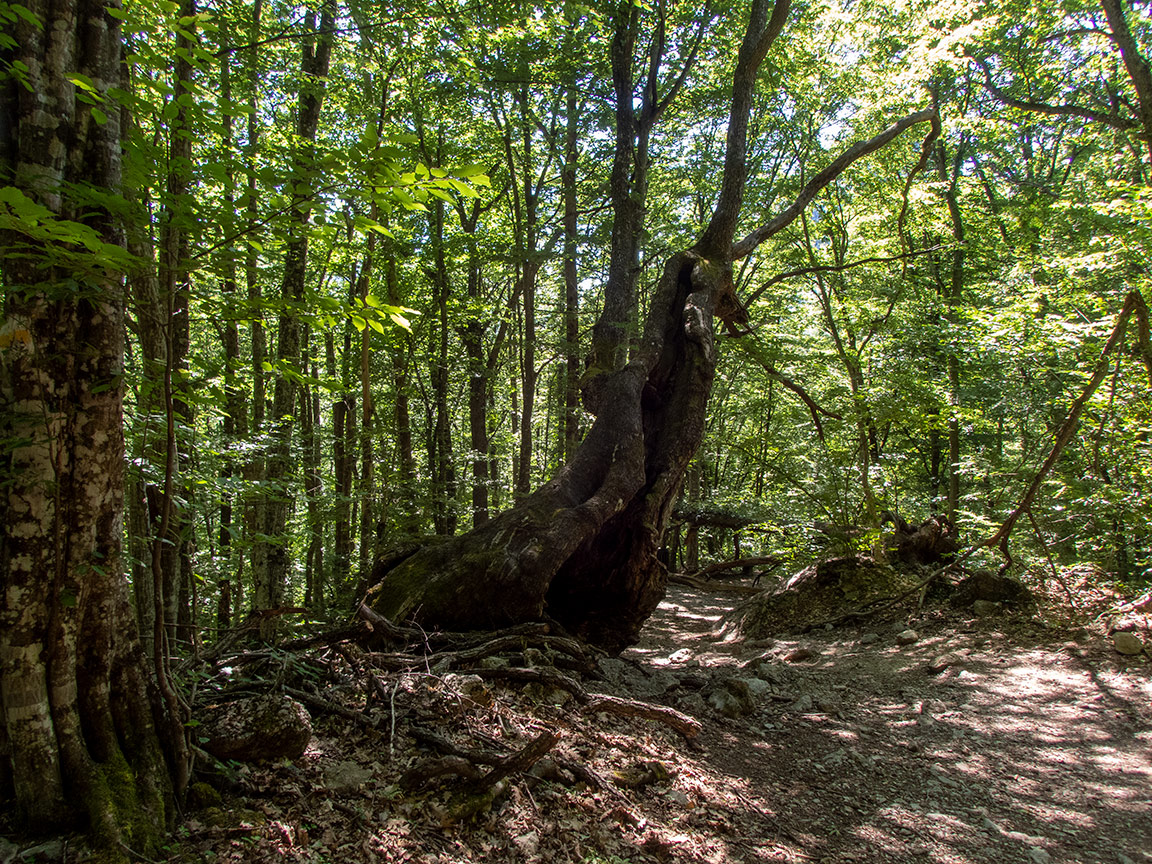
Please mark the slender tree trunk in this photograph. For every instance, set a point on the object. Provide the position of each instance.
(951, 305)
(571, 283)
(269, 589)
(407, 518)
(478, 378)
(313, 486)
(254, 468)
(76, 701)
(235, 408)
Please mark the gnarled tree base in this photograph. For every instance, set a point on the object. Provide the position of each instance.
(582, 549)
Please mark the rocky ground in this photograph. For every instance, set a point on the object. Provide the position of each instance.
(938, 737)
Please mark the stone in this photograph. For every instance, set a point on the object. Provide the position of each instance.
(804, 705)
(984, 608)
(528, 844)
(675, 796)
(869, 638)
(249, 730)
(681, 656)
(470, 687)
(52, 850)
(757, 687)
(797, 655)
(986, 585)
(1124, 859)
(907, 637)
(732, 699)
(346, 776)
(1127, 643)
(939, 664)
(1040, 856)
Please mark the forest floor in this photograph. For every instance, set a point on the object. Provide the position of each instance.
(1033, 743)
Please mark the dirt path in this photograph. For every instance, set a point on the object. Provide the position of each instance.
(1024, 748)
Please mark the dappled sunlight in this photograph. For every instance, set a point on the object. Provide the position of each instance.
(864, 754)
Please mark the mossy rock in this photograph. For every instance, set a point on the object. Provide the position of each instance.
(249, 730)
(816, 593)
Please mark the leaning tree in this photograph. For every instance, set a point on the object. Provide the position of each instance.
(582, 549)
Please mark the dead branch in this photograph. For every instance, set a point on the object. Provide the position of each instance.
(380, 627)
(705, 585)
(521, 760)
(705, 572)
(682, 723)
(1134, 303)
(319, 703)
(546, 677)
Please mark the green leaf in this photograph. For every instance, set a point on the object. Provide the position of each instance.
(99, 116)
(83, 82)
(27, 15)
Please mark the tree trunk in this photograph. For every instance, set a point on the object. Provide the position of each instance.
(583, 547)
(82, 729)
(269, 587)
(571, 283)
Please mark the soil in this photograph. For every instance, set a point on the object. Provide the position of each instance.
(994, 739)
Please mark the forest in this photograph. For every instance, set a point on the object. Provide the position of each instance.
(475, 315)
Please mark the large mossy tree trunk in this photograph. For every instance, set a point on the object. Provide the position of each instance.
(582, 549)
(87, 739)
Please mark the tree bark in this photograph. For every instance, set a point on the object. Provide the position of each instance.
(269, 587)
(583, 547)
(83, 731)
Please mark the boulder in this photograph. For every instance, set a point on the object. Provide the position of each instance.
(249, 730)
(990, 587)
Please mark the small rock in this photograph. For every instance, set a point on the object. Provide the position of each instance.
(991, 826)
(1127, 643)
(829, 704)
(803, 705)
(1124, 859)
(984, 608)
(869, 638)
(681, 656)
(346, 777)
(797, 655)
(53, 850)
(1040, 856)
(907, 637)
(939, 664)
(693, 680)
(757, 687)
(679, 798)
(470, 687)
(732, 699)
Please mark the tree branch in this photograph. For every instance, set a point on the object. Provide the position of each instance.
(836, 268)
(1134, 303)
(1115, 121)
(856, 151)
